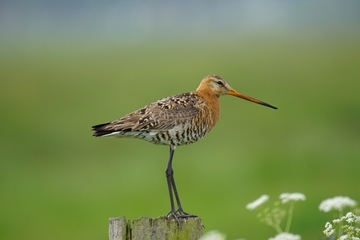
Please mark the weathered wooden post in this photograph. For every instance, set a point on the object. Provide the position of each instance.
(146, 228)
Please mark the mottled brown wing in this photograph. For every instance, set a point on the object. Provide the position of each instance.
(163, 114)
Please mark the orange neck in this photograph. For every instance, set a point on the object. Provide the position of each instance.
(212, 105)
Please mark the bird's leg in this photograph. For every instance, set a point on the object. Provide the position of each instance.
(169, 178)
(180, 210)
(172, 189)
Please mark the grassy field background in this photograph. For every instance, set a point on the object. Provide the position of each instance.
(59, 182)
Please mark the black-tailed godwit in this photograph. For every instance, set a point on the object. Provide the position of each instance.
(174, 121)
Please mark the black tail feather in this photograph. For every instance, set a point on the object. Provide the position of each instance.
(100, 130)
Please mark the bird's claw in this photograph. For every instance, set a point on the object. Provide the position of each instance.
(180, 214)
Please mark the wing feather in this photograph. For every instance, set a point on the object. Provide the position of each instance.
(160, 115)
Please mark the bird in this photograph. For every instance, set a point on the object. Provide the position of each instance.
(175, 121)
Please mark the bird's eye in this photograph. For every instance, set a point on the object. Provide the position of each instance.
(220, 83)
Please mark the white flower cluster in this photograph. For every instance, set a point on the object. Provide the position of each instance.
(286, 197)
(336, 203)
(328, 229)
(349, 218)
(274, 215)
(286, 236)
(213, 235)
(350, 223)
(257, 202)
(346, 237)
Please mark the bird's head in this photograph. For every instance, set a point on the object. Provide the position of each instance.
(215, 85)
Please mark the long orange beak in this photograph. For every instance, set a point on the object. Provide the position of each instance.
(243, 96)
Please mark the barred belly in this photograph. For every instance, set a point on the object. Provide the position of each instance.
(176, 136)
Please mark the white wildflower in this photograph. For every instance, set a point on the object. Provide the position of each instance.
(286, 236)
(213, 235)
(328, 225)
(349, 215)
(286, 197)
(328, 229)
(346, 237)
(257, 202)
(336, 220)
(351, 218)
(347, 224)
(336, 203)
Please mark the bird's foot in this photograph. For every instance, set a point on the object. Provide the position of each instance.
(184, 214)
(180, 213)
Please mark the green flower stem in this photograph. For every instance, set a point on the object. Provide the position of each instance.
(278, 228)
(339, 232)
(289, 218)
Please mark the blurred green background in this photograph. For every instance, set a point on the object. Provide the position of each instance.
(63, 70)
